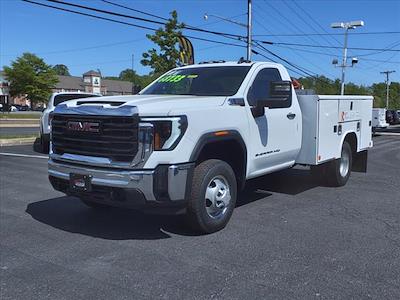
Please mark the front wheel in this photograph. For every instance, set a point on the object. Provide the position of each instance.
(213, 196)
(44, 144)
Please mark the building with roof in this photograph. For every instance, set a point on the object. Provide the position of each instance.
(4, 89)
(91, 82)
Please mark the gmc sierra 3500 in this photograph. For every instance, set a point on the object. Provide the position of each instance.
(190, 140)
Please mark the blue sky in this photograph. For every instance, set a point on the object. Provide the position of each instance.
(83, 43)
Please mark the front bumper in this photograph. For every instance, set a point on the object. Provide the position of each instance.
(166, 186)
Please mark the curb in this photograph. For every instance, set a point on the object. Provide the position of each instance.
(24, 125)
(19, 122)
(17, 141)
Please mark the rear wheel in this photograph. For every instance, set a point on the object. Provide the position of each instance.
(339, 170)
(213, 196)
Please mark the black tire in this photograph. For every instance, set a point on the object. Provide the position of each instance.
(44, 144)
(334, 176)
(199, 213)
(93, 204)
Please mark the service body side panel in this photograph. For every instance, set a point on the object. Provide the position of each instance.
(328, 140)
(327, 120)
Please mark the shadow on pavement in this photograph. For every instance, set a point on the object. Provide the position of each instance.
(70, 214)
(290, 182)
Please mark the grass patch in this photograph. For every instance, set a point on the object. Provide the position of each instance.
(20, 136)
(20, 115)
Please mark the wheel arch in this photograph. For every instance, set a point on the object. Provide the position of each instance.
(227, 145)
(360, 159)
(351, 138)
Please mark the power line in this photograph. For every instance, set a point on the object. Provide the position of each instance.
(302, 57)
(135, 10)
(270, 59)
(389, 47)
(332, 47)
(290, 21)
(328, 34)
(305, 21)
(326, 54)
(305, 71)
(143, 19)
(126, 23)
(89, 15)
(84, 48)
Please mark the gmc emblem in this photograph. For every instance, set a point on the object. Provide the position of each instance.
(83, 126)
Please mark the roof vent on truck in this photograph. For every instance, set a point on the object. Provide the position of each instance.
(211, 62)
(242, 60)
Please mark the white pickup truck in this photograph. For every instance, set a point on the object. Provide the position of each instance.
(379, 119)
(54, 100)
(190, 140)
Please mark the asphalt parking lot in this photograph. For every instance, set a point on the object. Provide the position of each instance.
(288, 239)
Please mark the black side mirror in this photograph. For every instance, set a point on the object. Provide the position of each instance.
(280, 95)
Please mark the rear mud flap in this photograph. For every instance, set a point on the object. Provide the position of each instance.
(360, 161)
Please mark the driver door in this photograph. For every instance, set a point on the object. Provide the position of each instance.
(275, 135)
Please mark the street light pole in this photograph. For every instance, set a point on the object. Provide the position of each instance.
(387, 73)
(249, 28)
(344, 61)
(347, 26)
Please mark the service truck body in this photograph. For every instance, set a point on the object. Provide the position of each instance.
(379, 118)
(192, 138)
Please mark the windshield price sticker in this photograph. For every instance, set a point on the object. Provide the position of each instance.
(176, 78)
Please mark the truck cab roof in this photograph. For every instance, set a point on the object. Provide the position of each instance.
(231, 64)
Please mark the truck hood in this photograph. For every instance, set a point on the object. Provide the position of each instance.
(156, 105)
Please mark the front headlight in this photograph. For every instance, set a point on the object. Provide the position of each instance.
(168, 131)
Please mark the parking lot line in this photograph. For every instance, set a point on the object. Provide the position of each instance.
(23, 155)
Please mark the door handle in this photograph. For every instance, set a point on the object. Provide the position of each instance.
(291, 116)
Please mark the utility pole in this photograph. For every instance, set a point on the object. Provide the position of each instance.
(133, 60)
(387, 73)
(249, 28)
(346, 26)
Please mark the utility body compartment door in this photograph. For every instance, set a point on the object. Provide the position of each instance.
(276, 135)
(327, 120)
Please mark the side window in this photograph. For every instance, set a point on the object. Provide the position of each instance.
(259, 90)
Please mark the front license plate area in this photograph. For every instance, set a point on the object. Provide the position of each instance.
(80, 182)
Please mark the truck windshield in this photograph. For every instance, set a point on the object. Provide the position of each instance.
(204, 81)
(65, 97)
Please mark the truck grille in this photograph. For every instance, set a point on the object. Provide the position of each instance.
(113, 137)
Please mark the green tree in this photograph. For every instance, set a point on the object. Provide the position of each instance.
(321, 84)
(129, 75)
(139, 80)
(61, 70)
(29, 75)
(379, 93)
(166, 38)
